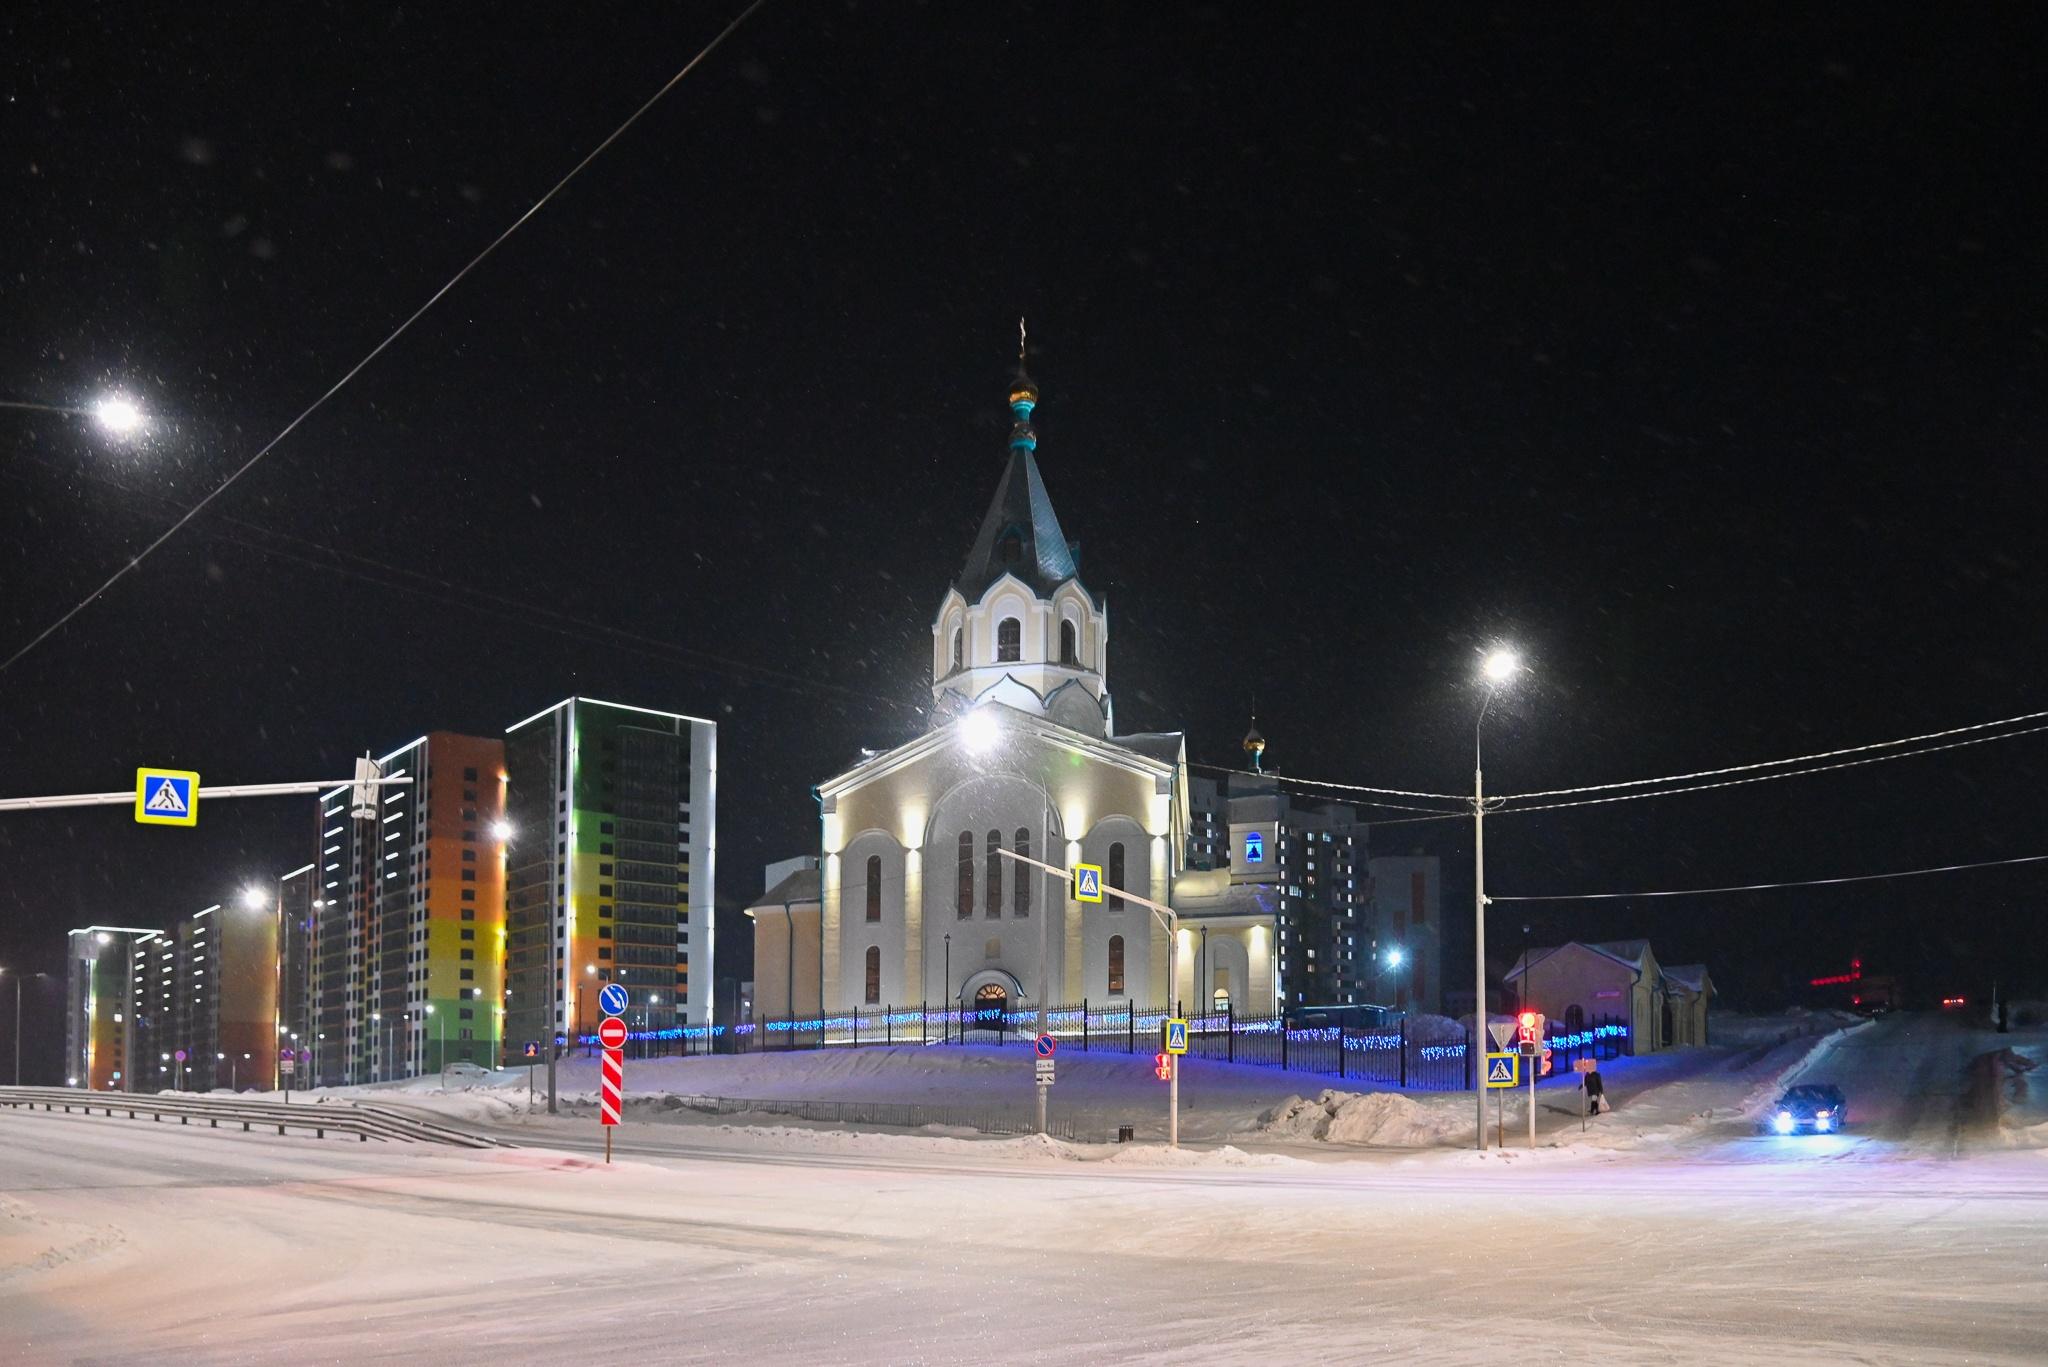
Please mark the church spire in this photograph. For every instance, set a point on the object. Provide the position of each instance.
(1023, 398)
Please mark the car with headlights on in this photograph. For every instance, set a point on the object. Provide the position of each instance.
(1811, 1108)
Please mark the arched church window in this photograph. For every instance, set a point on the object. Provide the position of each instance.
(1114, 876)
(1009, 640)
(1116, 965)
(1070, 652)
(1575, 1017)
(959, 649)
(966, 900)
(874, 887)
(1020, 891)
(874, 976)
(995, 873)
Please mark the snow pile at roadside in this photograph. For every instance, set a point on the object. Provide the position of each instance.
(2022, 1104)
(1388, 1119)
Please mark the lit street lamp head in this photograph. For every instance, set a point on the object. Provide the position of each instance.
(1500, 665)
(501, 831)
(119, 415)
(254, 898)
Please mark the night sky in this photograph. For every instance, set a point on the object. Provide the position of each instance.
(1701, 355)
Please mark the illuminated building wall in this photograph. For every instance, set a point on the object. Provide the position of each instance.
(407, 948)
(613, 817)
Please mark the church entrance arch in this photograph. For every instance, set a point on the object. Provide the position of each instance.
(986, 997)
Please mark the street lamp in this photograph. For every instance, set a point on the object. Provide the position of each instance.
(17, 1019)
(1496, 670)
(119, 414)
(254, 898)
(501, 831)
(423, 1039)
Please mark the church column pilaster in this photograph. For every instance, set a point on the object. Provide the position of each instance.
(913, 924)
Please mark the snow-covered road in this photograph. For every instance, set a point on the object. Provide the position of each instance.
(125, 1242)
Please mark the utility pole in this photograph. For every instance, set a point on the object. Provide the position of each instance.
(1499, 666)
(1477, 1038)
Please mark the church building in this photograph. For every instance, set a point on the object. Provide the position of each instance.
(912, 902)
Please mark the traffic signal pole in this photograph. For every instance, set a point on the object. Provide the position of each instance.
(1168, 918)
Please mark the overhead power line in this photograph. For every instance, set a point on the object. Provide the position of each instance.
(329, 559)
(1340, 787)
(1505, 810)
(1779, 763)
(1762, 887)
(378, 350)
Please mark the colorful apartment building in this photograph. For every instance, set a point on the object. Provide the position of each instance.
(405, 959)
(611, 814)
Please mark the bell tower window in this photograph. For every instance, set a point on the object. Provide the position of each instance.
(1070, 653)
(959, 649)
(1009, 641)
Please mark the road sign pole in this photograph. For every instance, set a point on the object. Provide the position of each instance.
(1532, 1103)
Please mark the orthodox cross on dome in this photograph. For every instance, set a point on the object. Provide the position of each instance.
(1023, 398)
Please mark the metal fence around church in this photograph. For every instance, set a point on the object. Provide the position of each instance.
(1390, 1054)
(1381, 1055)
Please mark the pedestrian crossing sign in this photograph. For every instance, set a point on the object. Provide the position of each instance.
(1087, 882)
(167, 797)
(1502, 1070)
(1176, 1036)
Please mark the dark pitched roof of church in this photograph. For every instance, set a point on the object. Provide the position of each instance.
(1039, 554)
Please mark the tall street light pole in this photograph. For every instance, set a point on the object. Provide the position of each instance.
(1498, 667)
(17, 1020)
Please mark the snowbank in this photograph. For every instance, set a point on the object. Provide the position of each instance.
(1386, 1119)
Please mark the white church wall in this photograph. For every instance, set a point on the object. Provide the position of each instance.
(1132, 921)
(888, 934)
(993, 936)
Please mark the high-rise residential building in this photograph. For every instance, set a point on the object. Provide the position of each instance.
(1407, 900)
(406, 954)
(205, 989)
(612, 811)
(99, 1006)
(1306, 858)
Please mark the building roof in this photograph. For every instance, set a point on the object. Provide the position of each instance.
(1044, 558)
(1152, 752)
(798, 887)
(1164, 746)
(1691, 977)
(1628, 953)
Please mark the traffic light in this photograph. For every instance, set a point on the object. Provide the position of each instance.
(1162, 1067)
(1529, 1033)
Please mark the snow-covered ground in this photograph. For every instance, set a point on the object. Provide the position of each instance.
(126, 1242)
(1659, 1098)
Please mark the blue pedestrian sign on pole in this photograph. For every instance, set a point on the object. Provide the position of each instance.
(1501, 1070)
(1087, 882)
(612, 1000)
(167, 797)
(1176, 1036)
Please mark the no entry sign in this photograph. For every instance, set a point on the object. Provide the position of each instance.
(612, 1033)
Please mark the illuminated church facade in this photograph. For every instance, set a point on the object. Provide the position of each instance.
(910, 901)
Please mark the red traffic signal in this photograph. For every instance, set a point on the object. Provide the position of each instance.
(1162, 1067)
